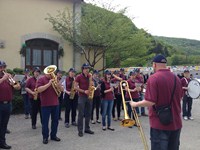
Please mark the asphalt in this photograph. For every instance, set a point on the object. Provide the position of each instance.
(23, 137)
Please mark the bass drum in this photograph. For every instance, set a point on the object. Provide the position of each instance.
(194, 88)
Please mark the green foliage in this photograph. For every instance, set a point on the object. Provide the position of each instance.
(17, 103)
(18, 71)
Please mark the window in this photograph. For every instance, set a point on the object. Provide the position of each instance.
(41, 53)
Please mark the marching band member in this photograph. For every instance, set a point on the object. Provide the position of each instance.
(96, 99)
(107, 100)
(46, 86)
(27, 105)
(187, 100)
(70, 98)
(6, 96)
(34, 97)
(84, 104)
(134, 91)
(60, 98)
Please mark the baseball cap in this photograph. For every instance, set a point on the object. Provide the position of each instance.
(2, 63)
(121, 69)
(160, 59)
(132, 73)
(26, 70)
(96, 72)
(107, 72)
(72, 70)
(85, 66)
(36, 69)
(137, 70)
(186, 70)
(116, 72)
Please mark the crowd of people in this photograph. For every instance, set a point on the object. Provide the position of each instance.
(47, 95)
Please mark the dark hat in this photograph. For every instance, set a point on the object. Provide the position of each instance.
(72, 70)
(96, 72)
(121, 69)
(85, 66)
(36, 69)
(160, 59)
(107, 72)
(58, 71)
(116, 72)
(132, 73)
(26, 70)
(2, 64)
(137, 70)
(186, 70)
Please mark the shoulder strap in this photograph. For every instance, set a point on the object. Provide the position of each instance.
(173, 89)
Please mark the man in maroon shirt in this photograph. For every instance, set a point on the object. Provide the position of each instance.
(49, 106)
(6, 96)
(159, 90)
(187, 100)
(84, 104)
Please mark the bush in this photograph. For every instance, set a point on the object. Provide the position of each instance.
(18, 71)
(17, 103)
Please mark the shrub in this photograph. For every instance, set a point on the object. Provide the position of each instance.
(17, 103)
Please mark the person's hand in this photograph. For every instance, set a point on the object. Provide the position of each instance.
(86, 92)
(133, 104)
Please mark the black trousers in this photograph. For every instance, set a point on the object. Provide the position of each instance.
(118, 104)
(4, 118)
(187, 106)
(60, 104)
(35, 108)
(70, 106)
(96, 104)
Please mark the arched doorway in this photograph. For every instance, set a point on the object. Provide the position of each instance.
(41, 53)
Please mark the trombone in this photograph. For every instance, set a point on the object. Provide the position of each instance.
(128, 121)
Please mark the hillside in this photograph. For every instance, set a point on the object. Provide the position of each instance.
(187, 46)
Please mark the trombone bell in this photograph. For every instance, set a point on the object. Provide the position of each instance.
(128, 123)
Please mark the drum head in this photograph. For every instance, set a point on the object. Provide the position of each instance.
(194, 88)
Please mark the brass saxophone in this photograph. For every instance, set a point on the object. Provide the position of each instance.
(72, 91)
(50, 70)
(91, 88)
(36, 94)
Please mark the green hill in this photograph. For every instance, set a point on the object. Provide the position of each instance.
(186, 46)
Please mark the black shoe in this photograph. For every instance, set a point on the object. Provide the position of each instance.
(56, 139)
(112, 129)
(33, 127)
(80, 134)
(67, 125)
(74, 123)
(45, 141)
(89, 132)
(8, 131)
(5, 146)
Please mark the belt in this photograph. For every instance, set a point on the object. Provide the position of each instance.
(4, 102)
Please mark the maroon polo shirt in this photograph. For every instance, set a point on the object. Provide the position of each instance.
(69, 81)
(184, 82)
(108, 95)
(131, 85)
(49, 96)
(83, 83)
(31, 84)
(159, 89)
(6, 91)
(123, 76)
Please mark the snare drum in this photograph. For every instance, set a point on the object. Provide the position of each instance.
(194, 88)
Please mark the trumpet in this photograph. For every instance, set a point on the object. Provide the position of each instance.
(130, 122)
(12, 81)
(50, 70)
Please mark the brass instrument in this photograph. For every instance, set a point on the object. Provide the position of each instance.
(72, 91)
(91, 88)
(12, 81)
(36, 94)
(50, 70)
(130, 122)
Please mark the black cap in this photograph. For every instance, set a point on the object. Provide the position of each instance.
(137, 70)
(107, 72)
(121, 69)
(72, 70)
(160, 59)
(186, 70)
(85, 66)
(96, 72)
(36, 69)
(132, 73)
(26, 70)
(58, 71)
(2, 64)
(116, 72)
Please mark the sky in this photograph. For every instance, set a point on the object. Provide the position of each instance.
(170, 18)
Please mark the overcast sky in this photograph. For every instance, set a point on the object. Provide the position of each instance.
(171, 18)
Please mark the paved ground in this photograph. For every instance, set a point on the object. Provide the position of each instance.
(25, 138)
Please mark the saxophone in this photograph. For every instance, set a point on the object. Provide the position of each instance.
(91, 88)
(72, 91)
(36, 94)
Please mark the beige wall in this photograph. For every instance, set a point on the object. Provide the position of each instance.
(21, 17)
